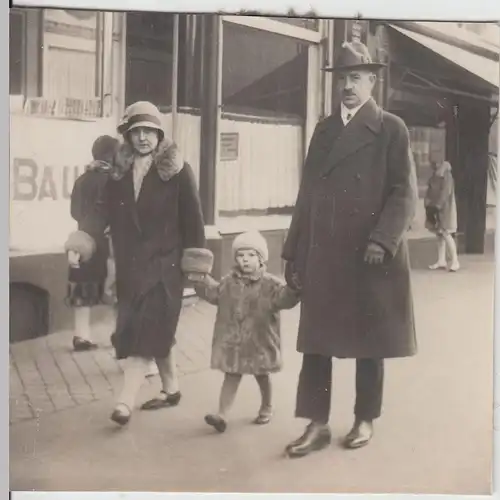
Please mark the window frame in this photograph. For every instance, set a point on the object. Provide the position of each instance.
(34, 63)
(277, 27)
(23, 15)
(316, 50)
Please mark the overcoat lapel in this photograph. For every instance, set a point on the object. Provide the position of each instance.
(362, 130)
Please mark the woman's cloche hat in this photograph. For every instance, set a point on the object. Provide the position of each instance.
(354, 55)
(141, 114)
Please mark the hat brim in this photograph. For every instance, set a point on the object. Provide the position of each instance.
(372, 66)
(122, 129)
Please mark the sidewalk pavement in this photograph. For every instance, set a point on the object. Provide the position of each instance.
(435, 435)
(47, 376)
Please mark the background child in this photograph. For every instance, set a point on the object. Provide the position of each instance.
(86, 280)
(247, 337)
(441, 215)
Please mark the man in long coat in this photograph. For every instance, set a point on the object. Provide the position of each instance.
(346, 249)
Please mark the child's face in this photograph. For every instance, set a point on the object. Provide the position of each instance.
(247, 260)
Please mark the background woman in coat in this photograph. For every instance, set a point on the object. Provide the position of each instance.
(441, 215)
(153, 211)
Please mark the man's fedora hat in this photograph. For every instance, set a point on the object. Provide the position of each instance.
(354, 55)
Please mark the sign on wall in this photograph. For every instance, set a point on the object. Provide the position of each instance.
(229, 146)
(43, 170)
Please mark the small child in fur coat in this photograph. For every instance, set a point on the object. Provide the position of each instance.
(247, 338)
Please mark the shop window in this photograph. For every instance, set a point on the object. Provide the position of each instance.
(428, 146)
(149, 58)
(56, 62)
(190, 89)
(24, 56)
(263, 74)
(71, 54)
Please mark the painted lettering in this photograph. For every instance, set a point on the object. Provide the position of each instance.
(25, 176)
(47, 185)
(50, 183)
(67, 184)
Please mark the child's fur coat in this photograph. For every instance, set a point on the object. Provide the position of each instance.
(247, 338)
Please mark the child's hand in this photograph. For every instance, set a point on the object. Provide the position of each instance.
(295, 282)
(74, 259)
(197, 278)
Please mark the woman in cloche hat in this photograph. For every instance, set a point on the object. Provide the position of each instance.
(153, 211)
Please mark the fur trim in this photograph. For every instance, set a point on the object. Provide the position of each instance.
(167, 159)
(99, 166)
(197, 260)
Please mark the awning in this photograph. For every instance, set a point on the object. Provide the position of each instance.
(484, 68)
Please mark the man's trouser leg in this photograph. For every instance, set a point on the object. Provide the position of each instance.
(369, 388)
(314, 389)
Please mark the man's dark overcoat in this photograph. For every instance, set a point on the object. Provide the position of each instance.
(149, 236)
(358, 185)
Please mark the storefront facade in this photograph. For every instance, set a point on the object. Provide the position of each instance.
(241, 95)
(445, 86)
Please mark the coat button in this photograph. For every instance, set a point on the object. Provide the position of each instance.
(358, 177)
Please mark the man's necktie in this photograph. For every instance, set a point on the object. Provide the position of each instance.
(348, 118)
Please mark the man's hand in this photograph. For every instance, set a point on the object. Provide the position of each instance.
(374, 254)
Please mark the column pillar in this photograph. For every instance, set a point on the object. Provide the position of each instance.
(209, 130)
(473, 123)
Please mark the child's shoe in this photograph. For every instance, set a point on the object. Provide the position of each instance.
(264, 416)
(164, 400)
(80, 344)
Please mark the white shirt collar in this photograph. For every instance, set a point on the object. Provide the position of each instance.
(344, 111)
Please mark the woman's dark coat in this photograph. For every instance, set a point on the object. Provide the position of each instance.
(359, 185)
(148, 237)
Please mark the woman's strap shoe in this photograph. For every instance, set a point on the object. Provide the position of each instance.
(163, 401)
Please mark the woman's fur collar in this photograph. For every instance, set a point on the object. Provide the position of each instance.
(98, 166)
(167, 159)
